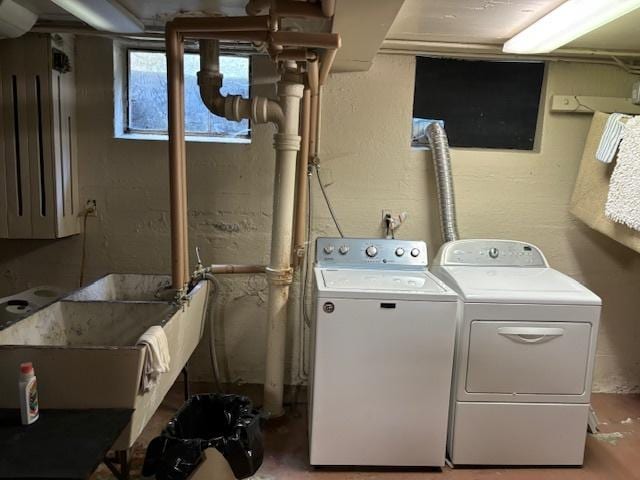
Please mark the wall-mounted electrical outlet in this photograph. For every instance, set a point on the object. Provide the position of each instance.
(391, 221)
(386, 212)
(91, 208)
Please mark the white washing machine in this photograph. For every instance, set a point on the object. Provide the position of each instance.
(525, 349)
(382, 355)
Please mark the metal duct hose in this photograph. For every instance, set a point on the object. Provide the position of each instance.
(442, 165)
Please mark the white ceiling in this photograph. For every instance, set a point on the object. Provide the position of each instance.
(495, 21)
(151, 12)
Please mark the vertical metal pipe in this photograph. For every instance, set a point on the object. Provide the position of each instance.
(177, 179)
(302, 185)
(279, 273)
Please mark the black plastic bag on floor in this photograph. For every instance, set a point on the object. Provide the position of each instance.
(227, 423)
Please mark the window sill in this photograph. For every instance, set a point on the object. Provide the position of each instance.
(188, 138)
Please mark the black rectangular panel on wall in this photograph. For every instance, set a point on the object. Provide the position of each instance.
(484, 104)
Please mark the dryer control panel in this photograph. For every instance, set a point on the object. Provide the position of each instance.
(496, 253)
(368, 252)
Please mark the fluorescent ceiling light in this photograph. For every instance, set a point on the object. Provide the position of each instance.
(106, 15)
(569, 21)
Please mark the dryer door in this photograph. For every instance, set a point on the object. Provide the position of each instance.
(528, 357)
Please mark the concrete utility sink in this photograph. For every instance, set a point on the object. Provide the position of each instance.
(127, 287)
(84, 350)
(16, 307)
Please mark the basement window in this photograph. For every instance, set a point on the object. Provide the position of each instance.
(145, 111)
(483, 104)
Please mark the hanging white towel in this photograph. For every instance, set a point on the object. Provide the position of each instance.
(623, 200)
(156, 359)
(611, 137)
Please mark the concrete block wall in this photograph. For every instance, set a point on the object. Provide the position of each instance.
(367, 164)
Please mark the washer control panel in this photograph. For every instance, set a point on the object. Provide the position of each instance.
(365, 252)
(499, 253)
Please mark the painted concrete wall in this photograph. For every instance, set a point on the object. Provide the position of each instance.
(368, 165)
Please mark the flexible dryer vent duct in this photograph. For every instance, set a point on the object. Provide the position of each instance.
(442, 165)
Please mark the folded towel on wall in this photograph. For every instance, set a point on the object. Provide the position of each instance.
(156, 359)
(623, 201)
(611, 137)
(592, 187)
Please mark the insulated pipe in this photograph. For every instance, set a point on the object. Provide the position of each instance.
(442, 165)
(328, 7)
(191, 25)
(299, 247)
(306, 40)
(279, 273)
(177, 186)
(327, 62)
(313, 79)
(228, 269)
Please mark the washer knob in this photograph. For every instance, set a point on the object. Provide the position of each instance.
(399, 252)
(344, 249)
(494, 252)
(328, 249)
(415, 252)
(371, 251)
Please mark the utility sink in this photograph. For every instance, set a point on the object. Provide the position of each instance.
(84, 347)
(16, 307)
(126, 287)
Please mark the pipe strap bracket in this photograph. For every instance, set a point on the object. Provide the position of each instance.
(279, 276)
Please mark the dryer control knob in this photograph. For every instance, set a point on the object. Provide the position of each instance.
(371, 251)
(494, 252)
(399, 252)
(415, 252)
(344, 249)
(328, 249)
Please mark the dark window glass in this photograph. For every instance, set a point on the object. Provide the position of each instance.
(483, 104)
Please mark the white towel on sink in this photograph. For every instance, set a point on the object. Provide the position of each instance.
(623, 201)
(156, 358)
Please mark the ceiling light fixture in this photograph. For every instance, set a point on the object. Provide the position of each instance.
(105, 15)
(569, 21)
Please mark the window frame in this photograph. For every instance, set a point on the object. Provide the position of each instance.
(124, 130)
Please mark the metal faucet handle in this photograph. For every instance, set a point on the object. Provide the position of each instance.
(198, 256)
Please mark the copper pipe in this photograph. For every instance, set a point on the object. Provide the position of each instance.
(297, 9)
(296, 54)
(247, 36)
(227, 269)
(175, 80)
(256, 7)
(302, 191)
(312, 78)
(326, 59)
(306, 40)
(328, 7)
(220, 24)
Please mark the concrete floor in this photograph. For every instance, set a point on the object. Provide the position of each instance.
(611, 455)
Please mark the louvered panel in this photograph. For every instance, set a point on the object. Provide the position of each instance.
(41, 158)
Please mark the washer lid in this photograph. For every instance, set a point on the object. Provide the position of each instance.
(517, 285)
(359, 283)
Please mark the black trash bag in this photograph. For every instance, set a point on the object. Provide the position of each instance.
(227, 423)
